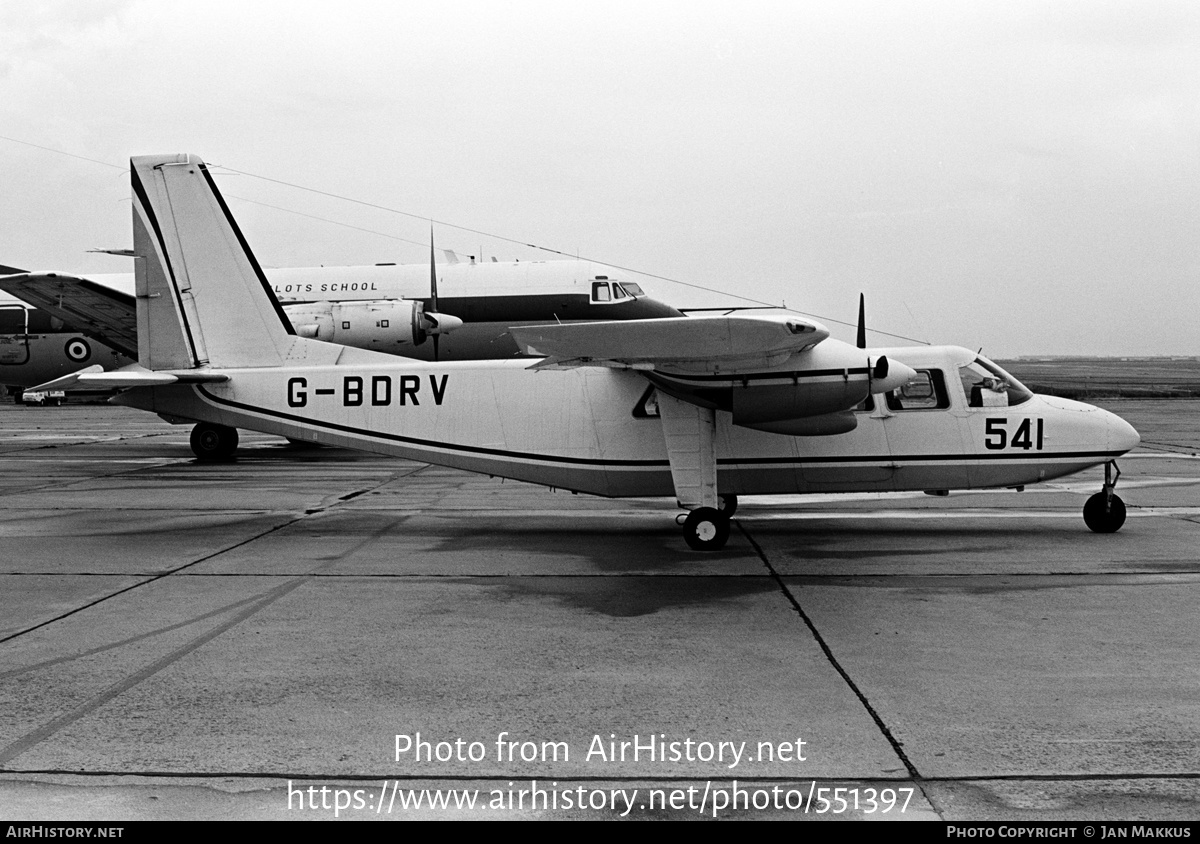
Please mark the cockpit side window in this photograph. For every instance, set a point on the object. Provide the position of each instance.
(601, 292)
(987, 385)
(925, 391)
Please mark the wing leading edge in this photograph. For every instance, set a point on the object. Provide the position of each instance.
(710, 343)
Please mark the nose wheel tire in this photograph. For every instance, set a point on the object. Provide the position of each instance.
(706, 529)
(1104, 512)
(212, 443)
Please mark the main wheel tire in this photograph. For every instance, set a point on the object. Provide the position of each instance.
(1103, 519)
(706, 529)
(211, 443)
(728, 503)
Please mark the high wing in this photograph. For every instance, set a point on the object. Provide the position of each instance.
(100, 312)
(772, 372)
(709, 343)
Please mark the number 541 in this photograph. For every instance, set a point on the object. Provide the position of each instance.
(1027, 435)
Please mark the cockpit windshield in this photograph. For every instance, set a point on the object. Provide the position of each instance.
(618, 292)
(987, 385)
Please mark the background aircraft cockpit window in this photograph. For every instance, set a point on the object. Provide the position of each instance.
(12, 319)
(987, 385)
(925, 391)
(600, 292)
(17, 319)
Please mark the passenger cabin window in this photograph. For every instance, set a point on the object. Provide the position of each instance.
(987, 385)
(925, 391)
(601, 292)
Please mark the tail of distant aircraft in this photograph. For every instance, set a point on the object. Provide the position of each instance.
(183, 233)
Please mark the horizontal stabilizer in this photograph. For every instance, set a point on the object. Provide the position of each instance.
(718, 342)
(95, 378)
(100, 312)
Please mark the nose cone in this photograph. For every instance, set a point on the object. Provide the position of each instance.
(1087, 427)
(1122, 436)
(888, 374)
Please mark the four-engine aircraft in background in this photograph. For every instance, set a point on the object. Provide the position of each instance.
(462, 312)
(704, 408)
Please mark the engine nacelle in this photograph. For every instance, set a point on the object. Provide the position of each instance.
(834, 380)
(758, 403)
(385, 324)
(825, 425)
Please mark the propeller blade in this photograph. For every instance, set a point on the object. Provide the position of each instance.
(862, 321)
(433, 290)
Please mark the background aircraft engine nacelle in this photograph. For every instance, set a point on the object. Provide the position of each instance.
(376, 324)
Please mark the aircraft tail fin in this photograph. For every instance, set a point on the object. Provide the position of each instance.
(196, 304)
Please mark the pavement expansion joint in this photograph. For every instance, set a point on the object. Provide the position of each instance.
(897, 745)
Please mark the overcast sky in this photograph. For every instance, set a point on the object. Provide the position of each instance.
(1021, 176)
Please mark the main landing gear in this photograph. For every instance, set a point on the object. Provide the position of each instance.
(707, 528)
(212, 443)
(1105, 511)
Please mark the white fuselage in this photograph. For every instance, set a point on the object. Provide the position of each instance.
(577, 429)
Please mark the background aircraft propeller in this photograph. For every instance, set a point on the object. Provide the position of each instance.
(862, 321)
(433, 299)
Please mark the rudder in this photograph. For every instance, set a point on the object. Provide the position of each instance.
(198, 284)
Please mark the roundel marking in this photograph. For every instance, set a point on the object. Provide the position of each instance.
(78, 350)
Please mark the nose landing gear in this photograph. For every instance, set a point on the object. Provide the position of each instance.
(706, 529)
(1104, 512)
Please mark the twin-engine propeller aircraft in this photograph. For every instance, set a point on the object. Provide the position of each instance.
(705, 407)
